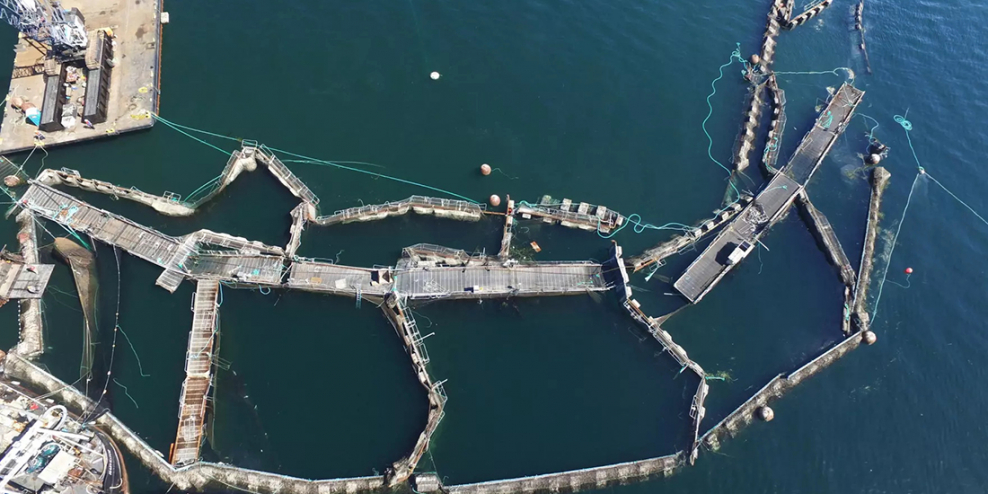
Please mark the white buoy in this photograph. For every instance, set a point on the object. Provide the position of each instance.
(435, 76)
(485, 169)
(495, 200)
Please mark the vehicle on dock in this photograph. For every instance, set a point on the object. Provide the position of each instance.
(48, 450)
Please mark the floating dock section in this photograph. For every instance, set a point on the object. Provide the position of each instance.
(879, 179)
(810, 13)
(442, 208)
(737, 240)
(501, 280)
(31, 343)
(237, 259)
(777, 127)
(827, 239)
(746, 413)
(575, 480)
(401, 318)
(509, 223)
(697, 409)
(572, 215)
(277, 168)
(198, 373)
(656, 255)
(165, 204)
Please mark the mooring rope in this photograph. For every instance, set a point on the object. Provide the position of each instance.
(735, 55)
(308, 159)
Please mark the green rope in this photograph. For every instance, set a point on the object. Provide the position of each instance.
(182, 129)
(735, 55)
(189, 197)
(317, 161)
(194, 137)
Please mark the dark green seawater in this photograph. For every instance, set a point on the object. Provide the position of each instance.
(598, 101)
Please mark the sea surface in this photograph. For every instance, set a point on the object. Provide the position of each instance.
(597, 101)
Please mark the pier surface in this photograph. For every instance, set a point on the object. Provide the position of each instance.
(133, 81)
(741, 236)
(198, 373)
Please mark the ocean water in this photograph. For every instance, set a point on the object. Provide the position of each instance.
(596, 101)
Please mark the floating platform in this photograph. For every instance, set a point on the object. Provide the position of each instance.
(133, 81)
(739, 238)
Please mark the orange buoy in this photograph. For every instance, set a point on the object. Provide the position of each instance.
(909, 270)
(495, 200)
(485, 169)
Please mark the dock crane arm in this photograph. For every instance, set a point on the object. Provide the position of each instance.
(64, 31)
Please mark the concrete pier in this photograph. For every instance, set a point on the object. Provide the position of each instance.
(31, 343)
(824, 234)
(401, 318)
(133, 81)
(572, 215)
(879, 180)
(198, 373)
(576, 480)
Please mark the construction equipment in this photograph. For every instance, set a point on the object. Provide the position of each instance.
(62, 31)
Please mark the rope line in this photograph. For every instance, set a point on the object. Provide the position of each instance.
(735, 55)
(308, 159)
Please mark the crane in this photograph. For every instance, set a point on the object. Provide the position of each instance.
(64, 31)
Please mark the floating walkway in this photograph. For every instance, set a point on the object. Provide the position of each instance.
(323, 277)
(498, 280)
(295, 185)
(238, 261)
(573, 480)
(736, 241)
(401, 318)
(572, 215)
(198, 374)
(442, 208)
